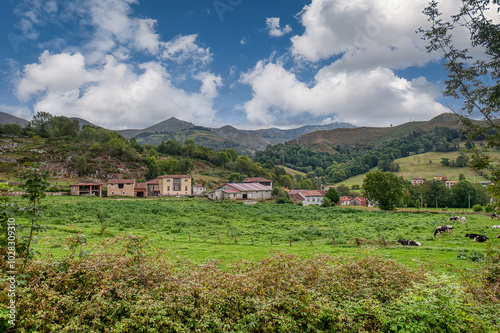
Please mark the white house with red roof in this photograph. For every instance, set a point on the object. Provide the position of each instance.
(241, 191)
(308, 197)
(199, 189)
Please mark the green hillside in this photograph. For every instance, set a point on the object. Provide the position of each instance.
(427, 165)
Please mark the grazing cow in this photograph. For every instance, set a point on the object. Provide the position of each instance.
(454, 218)
(406, 242)
(493, 215)
(480, 238)
(498, 236)
(472, 236)
(496, 227)
(444, 228)
(463, 219)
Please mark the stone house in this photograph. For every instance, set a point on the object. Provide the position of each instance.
(123, 187)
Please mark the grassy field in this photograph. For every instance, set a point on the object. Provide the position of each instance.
(190, 229)
(427, 166)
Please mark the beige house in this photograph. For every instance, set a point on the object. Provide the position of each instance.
(174, 185)
(123, 187)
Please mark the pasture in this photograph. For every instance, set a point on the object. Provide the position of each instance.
(199, 231)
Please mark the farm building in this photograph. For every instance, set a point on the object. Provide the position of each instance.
(241, 191)
(356, 201)
(174, 185)
(199, 189)
(259, 180)
(308, 197)
(123, 187)
(86, 189)
(153, 187)
(141, 190)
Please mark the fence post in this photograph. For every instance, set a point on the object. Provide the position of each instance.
(189, 237)
(204, 238)
(252, 241)
(272, 241)
(235, 240)
(290, 242)
(219, 239)
(333, 238)
(357, 242)
(383, 240)
(310, 241)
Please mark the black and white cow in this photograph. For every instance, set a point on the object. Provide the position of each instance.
(493, 215)
(498, 236)
(406, 242)
(444, 228)
(454, 218)
(472, 236)
(496, 227)
(480, 238)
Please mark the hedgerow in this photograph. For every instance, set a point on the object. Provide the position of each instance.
(131, 292)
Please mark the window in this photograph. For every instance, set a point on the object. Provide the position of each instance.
(185, 180)
(177, 184)
(185, 188)
(168, 188)
(120, 186)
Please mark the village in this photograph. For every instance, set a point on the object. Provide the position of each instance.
(250, 190)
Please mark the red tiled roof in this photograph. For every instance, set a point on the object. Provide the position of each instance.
(312, 193)
(121, 181)
(141, 186)
(198, 185)
(174, 176)
(155, 181)
(344, 198)
(257, 180)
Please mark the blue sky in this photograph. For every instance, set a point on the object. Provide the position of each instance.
(251, 64)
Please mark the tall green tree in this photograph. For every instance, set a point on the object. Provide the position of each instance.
(473, 73)
(35, 179)
(332, 195)
(385, 188)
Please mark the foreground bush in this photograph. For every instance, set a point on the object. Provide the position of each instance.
(123, 293)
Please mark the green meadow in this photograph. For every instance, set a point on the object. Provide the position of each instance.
(199, 231)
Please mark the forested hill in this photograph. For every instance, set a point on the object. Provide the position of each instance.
(342, 153)
(366, 136)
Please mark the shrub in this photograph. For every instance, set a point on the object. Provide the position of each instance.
(477, 208)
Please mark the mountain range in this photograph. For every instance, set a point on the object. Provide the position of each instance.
(243, 141)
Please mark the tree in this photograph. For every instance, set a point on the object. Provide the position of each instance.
(12, 130)
(385, 188)
(35, 179)
(343, 190)
(473, 73)
(332, 195)
(236, 177)
(41, 123)
(445, 161)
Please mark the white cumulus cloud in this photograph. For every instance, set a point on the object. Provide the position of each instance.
(273, 26)
(366, 97)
